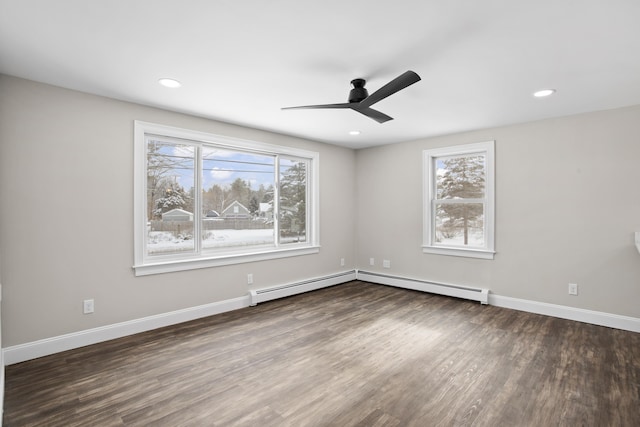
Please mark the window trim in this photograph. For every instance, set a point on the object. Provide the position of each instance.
(429, 191)
(145, 265)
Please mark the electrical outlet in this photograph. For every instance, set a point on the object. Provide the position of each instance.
(87, 306)
(573, 289)
(386, 263)
(372, 261)
(342, 262)
(249, 279)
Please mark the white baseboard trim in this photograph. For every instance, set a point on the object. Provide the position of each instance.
(571, 313)
(47, 346)
(616, 321)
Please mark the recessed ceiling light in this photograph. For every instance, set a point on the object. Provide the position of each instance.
(544, 92)
(172, 83)
(354, 132)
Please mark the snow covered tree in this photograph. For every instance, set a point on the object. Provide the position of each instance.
(174, 198)
(460, 178)
(293, 197)
(265, 195)
(254, 205)
(162, 164)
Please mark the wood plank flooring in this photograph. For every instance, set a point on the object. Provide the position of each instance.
(356, 354)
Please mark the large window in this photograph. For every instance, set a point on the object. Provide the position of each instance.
(205, 200)
(459, 200)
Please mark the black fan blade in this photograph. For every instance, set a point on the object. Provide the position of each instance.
(342, 105)
(395, 85)
(373, 114)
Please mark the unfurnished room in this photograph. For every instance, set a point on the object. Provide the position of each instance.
(336, 213)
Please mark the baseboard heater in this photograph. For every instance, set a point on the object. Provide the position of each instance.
(465, 292)
(275, 292)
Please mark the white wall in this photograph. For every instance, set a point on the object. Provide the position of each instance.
(567, 206)
(66, 217)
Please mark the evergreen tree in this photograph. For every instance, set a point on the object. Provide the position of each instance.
(463, 178)
(261, 194)
(174, 198)
(293, 197)
(240, 191)
(254, 205)
(267, 195)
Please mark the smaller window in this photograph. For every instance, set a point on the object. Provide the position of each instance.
(459, 200)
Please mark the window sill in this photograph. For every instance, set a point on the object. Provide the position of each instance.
(218, 261)
(460, 252)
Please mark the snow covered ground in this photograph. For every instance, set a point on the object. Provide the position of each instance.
(160, 242)
(476, 239)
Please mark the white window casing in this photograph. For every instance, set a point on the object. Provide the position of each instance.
(433, 243)
(198, 256)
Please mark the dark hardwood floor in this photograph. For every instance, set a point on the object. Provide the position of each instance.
(352, 355)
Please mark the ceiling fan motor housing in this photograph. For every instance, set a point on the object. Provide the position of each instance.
(358, 93)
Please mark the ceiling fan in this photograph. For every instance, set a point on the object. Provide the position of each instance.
(361, 101)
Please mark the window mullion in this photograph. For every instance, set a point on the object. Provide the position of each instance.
(308, 204)
(197, 201)
(432, 223)
(276, 203)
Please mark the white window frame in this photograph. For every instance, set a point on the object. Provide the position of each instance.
(145, 264)
(429, 244)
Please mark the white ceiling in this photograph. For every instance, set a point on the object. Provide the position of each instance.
(241, 61)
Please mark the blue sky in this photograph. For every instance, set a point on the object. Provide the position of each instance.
(220, 166)
(223, 167)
